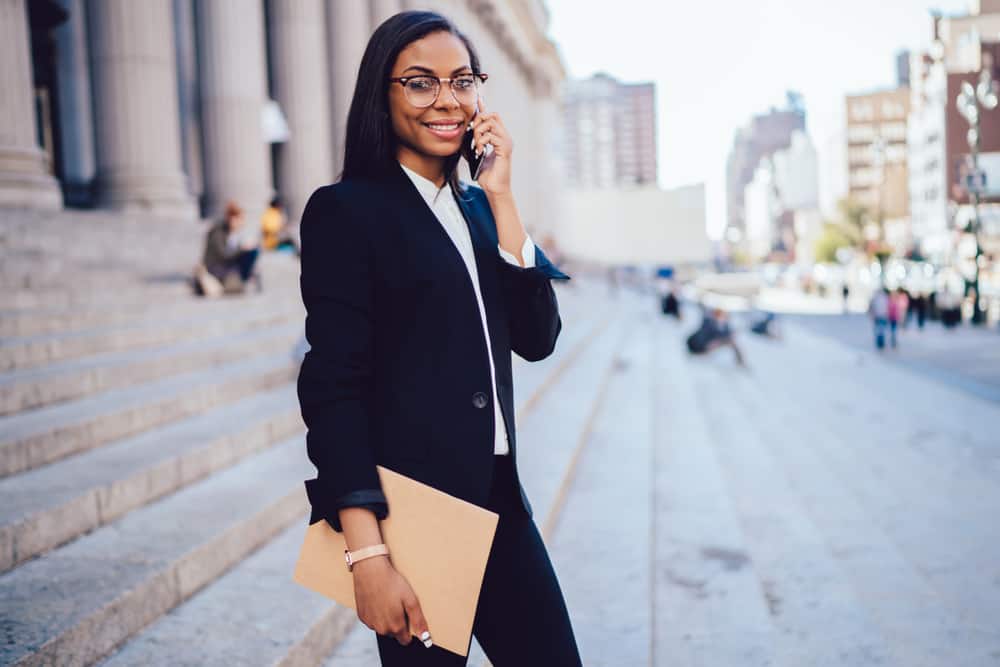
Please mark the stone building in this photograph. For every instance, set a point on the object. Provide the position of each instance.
(172, 107)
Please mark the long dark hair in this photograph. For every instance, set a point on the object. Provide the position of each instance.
(370, 144)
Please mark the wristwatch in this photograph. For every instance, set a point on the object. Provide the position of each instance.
(353, 557)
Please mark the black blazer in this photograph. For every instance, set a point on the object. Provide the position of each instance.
(397, 373)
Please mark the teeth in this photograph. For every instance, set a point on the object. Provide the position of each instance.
(443, 127)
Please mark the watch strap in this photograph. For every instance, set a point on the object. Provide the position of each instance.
(355, 557)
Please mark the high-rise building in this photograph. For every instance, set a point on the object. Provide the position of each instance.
(765, 134)
(939, 155)
(877, 174)
(609, 133)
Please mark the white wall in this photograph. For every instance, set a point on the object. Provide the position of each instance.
(635, 226)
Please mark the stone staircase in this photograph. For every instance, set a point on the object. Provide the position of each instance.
(152, 451)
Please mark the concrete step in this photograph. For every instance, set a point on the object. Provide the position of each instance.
(29, 389)
(708, 607)
(918, 627)
(48, 434)
(75, 604)
(159, 283)
(551, 429)
(49, 506)
(819, 616)
(607, 512)
(62, 297)
(926, 485)
(227, 623)
(203, 323)
(35, 336)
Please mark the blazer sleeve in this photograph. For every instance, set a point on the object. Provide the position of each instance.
(532, 309)
(335, 379)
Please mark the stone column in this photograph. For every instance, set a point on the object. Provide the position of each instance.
(301, 83)
(231, 50)
(76, 122)
(348, 29)
(187, 96)
(25, 180)
(383, 9)
(132, 61)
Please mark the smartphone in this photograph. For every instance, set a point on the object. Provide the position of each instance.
(468, 151)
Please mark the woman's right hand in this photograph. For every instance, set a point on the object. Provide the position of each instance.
(385, 600)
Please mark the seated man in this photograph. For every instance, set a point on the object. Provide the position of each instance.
(228, 263)
(714, 333)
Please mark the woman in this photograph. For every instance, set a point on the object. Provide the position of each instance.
(417, 290)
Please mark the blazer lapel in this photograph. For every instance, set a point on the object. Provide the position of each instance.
(482, 229)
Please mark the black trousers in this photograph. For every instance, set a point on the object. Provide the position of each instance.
(521, 619)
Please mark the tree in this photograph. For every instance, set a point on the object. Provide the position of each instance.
(833, 238)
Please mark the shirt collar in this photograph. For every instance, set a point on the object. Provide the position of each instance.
(426, 187)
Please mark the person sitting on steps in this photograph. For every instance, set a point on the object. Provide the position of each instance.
(228, 261)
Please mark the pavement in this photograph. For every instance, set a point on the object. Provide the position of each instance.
(820, 507)
(825, 505)
(966, 357)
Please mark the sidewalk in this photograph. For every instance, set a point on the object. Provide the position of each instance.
(966, 357)
(824, 508)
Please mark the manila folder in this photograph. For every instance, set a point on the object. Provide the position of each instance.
(439, 543)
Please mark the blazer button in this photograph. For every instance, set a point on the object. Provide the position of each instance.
(479, 399)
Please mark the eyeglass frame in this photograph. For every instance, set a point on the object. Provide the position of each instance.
(401, 80)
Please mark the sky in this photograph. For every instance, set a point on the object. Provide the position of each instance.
(715, 64)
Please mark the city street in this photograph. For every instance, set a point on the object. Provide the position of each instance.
(966, 357)
(824, 507)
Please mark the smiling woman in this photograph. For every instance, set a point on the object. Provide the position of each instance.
(417, 290)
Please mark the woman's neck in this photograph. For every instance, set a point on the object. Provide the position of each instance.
(429, 166)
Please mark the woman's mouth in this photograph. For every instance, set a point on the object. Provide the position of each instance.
(450, 130)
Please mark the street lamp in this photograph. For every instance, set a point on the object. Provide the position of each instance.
(969, 102)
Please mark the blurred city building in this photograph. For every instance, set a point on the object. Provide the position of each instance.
(609, 133)
(962, 47)
(777, 200)
(877, 159)
(172, 107)
(615, 213)
(759, 139)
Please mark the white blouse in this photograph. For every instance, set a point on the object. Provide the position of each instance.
(446, 210)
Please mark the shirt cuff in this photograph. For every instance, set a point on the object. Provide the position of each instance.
(527, 254)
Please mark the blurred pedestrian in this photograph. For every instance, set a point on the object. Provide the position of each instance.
(228, 261)
(276, 233)
(878, 310)
(766, 326)
(846, 292)
(670, 305)
(898, 305)
(714, 333)
(918, 305)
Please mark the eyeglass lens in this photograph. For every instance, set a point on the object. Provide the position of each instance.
(422, 91)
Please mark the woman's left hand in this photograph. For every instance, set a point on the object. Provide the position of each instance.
(494, 177)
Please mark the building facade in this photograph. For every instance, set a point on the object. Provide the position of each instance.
(757, 141)
(609, 133)
(172, 107)
(637, 226)
(877, 174)
(939, 154)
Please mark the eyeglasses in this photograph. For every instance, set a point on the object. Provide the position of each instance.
(423, 90)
